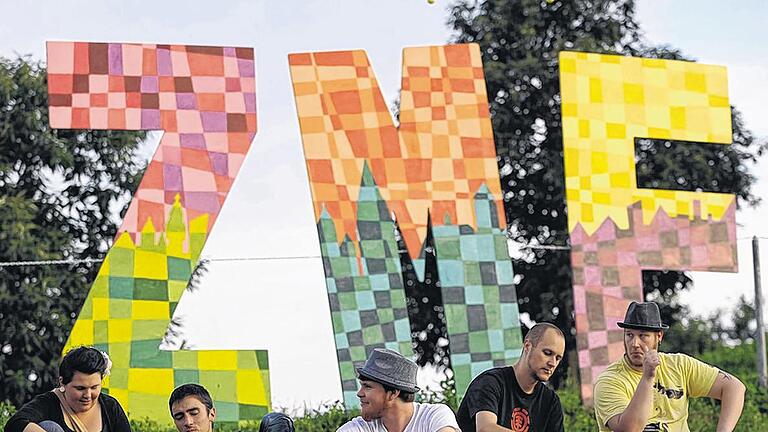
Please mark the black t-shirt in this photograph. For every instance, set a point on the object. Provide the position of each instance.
(496, 390)
(47, 407)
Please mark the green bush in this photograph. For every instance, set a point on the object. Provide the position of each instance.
(328, 418)
(146, 425)
(6, 411)
(446, 394)
(741, 362)
(576, 417)
(704, 412)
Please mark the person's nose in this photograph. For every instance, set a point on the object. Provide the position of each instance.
(188, 419)
(360, 393)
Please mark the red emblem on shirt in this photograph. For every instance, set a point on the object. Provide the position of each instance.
(520, 420)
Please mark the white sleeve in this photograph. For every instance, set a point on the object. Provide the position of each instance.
(441, 416)
(357, 424)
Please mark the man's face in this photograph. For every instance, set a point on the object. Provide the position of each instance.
(637, 341)
(191, 415)
(373, 399)
(544, 357)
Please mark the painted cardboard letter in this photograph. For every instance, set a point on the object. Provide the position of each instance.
(617, 229)
(441, 161)
(203, 99)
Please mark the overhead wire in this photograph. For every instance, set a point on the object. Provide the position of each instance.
(264, 258)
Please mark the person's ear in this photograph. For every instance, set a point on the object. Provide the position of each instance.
(661, 336)
(212, 414)
(391, 396)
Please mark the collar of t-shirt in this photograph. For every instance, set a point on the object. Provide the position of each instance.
(512, 380)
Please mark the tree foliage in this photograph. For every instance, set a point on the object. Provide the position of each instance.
(520, 41)
(58, 193)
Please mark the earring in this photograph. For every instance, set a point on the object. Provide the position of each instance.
(61, 389)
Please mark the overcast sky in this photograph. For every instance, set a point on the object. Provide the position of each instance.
(281, 304)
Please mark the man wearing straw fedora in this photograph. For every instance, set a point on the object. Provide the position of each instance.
(387, 392)
(649, 391)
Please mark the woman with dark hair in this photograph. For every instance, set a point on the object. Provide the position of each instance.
(77, 405)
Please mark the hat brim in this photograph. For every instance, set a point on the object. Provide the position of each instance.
(642, 327)
(384, 380)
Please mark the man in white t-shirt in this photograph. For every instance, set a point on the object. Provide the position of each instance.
(387, 392)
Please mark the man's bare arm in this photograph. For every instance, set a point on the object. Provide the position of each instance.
(485, 421)
(730, 391)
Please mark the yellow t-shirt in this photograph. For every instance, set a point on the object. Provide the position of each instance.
(678, 378)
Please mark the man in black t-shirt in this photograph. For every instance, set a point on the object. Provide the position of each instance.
(514, 397)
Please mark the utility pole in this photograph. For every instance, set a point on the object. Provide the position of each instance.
(762, 370)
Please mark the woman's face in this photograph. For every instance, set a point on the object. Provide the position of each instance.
(81, 393)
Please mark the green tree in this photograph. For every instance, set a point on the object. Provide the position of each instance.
(744, 327)
(520, 41)
(58, 193)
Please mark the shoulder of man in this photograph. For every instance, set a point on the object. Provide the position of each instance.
(439, 415)
(434, 408)
(676, 359)
(612, 377)
(494, 377)
(547, 391)
(357, 424)
(675, 356)
(612, 371)
(499, 374)
(549, 397)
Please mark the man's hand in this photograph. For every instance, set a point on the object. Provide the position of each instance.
(650, 363)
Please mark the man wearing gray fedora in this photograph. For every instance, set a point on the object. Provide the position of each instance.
(387, 392)
(649, 391)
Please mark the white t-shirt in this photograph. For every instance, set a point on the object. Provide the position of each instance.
(426, 418)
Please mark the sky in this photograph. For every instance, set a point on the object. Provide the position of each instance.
(724, 33)
(279, 303)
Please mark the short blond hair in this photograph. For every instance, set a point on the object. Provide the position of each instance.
(537, 331)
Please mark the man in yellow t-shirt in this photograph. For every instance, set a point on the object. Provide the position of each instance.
(648, 391)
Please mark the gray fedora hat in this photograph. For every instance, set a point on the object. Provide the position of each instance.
(643, 316)
(389, 367)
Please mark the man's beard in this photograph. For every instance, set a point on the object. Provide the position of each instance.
(371, 414)
(534, 373)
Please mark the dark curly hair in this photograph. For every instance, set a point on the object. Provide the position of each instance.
(83, 359)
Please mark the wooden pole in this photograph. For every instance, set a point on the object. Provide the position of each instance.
(762, 370)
